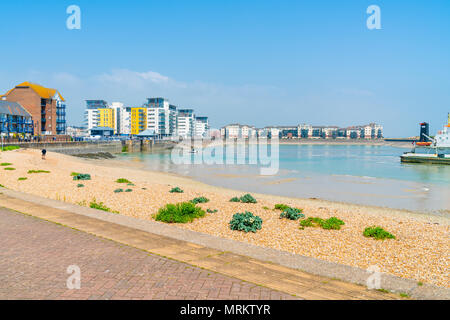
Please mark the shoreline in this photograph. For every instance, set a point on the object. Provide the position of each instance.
(420, 251)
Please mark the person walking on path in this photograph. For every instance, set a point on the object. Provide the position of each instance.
(43, 154)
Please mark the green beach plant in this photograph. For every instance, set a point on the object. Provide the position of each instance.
(212, 211)
(248, 198)
(282, 207)
(129, 190)
(200, 200)
(6, 164)
(9, 148)
(235, 199)
(292, 214)
(9, 169)
(123, 180)
(176, 190)
(246, 222)
(80, 185)
(183, 212)
(81, 176)
(118, 190)
(22, 179)
(100, 206)
(37, 171)
(332, 223)
(377, 233)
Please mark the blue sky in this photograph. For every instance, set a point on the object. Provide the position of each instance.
(255, 62)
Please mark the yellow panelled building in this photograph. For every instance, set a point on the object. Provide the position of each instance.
(106, 118)
(138, 120)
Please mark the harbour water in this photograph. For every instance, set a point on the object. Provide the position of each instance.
(361, 174)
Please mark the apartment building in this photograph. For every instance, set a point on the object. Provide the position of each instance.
(92, 113)
(201, 127)
(139, 120)
(15, 120)
(46, 106)
(186, 122)
(122, 118)
(161, 117)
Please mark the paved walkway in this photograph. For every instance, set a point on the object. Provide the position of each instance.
(35, 254)
(38, 253)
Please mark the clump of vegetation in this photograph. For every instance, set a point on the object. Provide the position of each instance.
(22, 179)
(131, 184)
(37, 171)
(6, 164)
(129, 190)
(73, 174)
(332, 223)
(377, 233)
(281, 207)
(82, 176)
(100, 206)
(179, 213)
(176, 190)
(292, 214)
(10, 148)
(125, 148)
(2, 186)
(247, 198)
(200, 200)
(246, 222)
(118, 190)
(266, 208)
(10, 169)
(123, 180)
(212, 211)
(80, 185)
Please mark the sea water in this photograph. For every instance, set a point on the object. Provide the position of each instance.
(361, 174)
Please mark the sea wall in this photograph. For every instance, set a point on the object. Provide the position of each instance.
(94, 147)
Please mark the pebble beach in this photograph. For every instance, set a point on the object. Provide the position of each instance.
(419, 252)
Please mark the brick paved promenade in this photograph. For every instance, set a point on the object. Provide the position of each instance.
(35, 254)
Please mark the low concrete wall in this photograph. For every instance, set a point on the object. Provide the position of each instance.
(92, 147)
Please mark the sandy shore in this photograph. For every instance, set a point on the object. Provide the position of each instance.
(420, 252)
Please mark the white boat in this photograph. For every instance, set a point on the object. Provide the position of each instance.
(435, 152)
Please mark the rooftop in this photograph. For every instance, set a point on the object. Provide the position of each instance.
(43, 92)
(13, 108)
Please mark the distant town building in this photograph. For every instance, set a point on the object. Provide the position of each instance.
(304, 131)
(77, 132)
(15, 120)
(46, 106)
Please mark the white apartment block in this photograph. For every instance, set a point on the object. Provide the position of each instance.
(201, 126)
(161, 117)
(186, 122)
(122, 118)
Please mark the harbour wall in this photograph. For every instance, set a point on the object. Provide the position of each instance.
(93, 147)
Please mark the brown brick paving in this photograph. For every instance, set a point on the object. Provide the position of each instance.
(35, 254)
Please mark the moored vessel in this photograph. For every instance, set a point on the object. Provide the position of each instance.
(430, 150)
